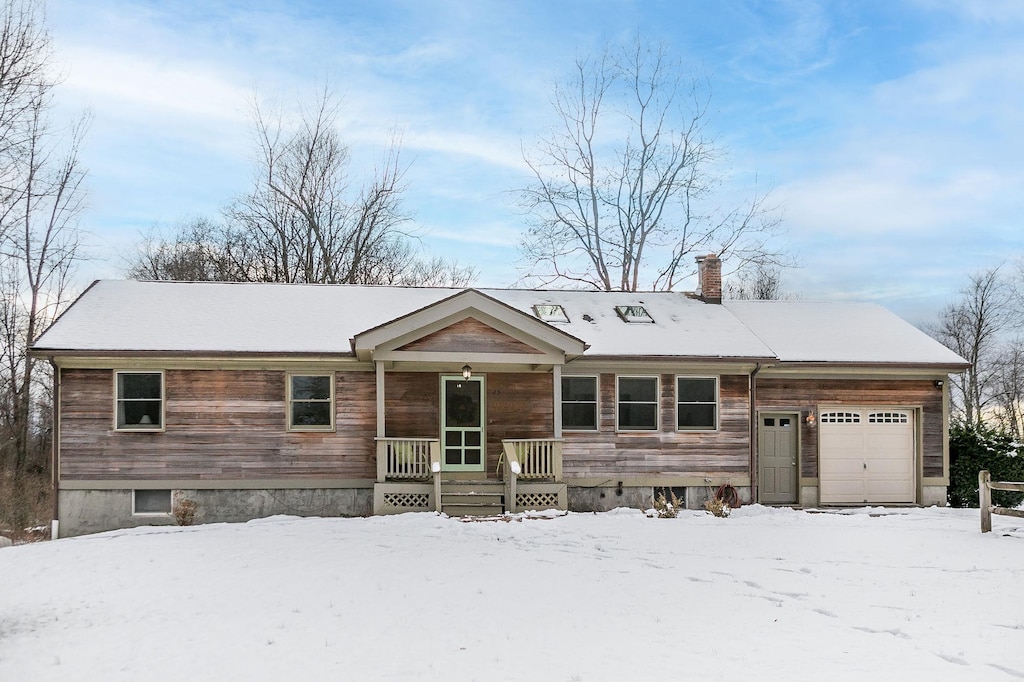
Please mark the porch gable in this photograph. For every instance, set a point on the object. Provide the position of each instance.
(472, 336)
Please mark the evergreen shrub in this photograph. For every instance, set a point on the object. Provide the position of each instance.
(973, 448)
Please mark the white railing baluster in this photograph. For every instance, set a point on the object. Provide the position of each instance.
(404, 458)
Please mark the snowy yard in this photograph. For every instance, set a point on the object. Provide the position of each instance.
(916, 594)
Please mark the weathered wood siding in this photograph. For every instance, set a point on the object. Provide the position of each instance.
(219, 425)
(469, 336)
(518, 406)
(666, 451)
(412, 404)
(803, 395)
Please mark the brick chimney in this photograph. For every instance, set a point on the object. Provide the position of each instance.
(709, 274)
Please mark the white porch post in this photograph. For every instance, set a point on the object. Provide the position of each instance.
(556, 376)
(379, 367)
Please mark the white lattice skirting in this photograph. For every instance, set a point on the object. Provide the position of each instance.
(537, 501)
(407, 500)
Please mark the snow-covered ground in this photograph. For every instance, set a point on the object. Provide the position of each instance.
(767, 594)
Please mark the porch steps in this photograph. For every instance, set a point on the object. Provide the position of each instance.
(472, 498)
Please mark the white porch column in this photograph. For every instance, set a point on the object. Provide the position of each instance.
(379, 367)
(556, 375)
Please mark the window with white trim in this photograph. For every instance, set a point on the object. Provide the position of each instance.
(139, 401)
(697, 403)
(311, 402)
(579, 403)
(637, 403)
(151, 502)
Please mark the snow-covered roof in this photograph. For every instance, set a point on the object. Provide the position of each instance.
(823, 331)
(127, 316)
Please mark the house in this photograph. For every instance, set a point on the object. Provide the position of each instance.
(259, 399)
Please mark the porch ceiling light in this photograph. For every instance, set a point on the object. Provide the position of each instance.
(467, 372)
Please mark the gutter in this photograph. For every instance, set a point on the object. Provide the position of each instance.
(55, 452)
(753, 432)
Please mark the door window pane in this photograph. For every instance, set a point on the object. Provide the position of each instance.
(463, 404)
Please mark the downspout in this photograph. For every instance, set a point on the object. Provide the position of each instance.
(55, 451)
(752, 385)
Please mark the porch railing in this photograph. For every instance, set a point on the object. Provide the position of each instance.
(531, 458)
(538, 457)
(406, 458)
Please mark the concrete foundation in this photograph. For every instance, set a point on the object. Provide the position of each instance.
(93, 511)
(934, 496)
(809, 496)
(606, 498)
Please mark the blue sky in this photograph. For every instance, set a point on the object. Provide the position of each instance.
(889, 131)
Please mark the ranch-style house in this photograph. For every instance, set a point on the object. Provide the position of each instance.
(328, 400)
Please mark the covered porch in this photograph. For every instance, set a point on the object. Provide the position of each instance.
(468, 409)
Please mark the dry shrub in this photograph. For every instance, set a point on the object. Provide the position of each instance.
(667, 508)
(185, 509)
(718, 507)
(26, 506)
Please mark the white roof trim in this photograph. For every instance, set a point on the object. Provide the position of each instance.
(383, 341)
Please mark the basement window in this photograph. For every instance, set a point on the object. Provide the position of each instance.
(151, 502)
(633, 313)
(549, 312)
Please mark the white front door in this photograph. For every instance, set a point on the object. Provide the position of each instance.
(463, 410)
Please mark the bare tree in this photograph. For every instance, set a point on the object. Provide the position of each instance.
(759, 282)
(41, 196)
(303, 220)
(622, 187)
(198, 250)
(1008, 385)
(974, 326)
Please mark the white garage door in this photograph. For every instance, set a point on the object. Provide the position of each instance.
(866, 455)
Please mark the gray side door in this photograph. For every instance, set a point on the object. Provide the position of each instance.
(777, 458)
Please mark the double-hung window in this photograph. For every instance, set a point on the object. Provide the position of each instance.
(637, 399)
(311, 402)
(139, 401)
(579, 403)
(696, 403)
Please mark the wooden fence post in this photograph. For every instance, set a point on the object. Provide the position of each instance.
(985, 500)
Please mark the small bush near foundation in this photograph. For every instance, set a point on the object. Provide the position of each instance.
(718, 507)
(667, 508)
(973, 448)
(185, 510)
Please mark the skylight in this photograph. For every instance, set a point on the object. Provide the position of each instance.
(633, 313)
(550, 312)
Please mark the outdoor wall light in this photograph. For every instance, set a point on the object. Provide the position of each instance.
(938, 383)
(467, 372)
(810, 419)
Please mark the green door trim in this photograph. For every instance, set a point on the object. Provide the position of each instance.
(471, 439)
